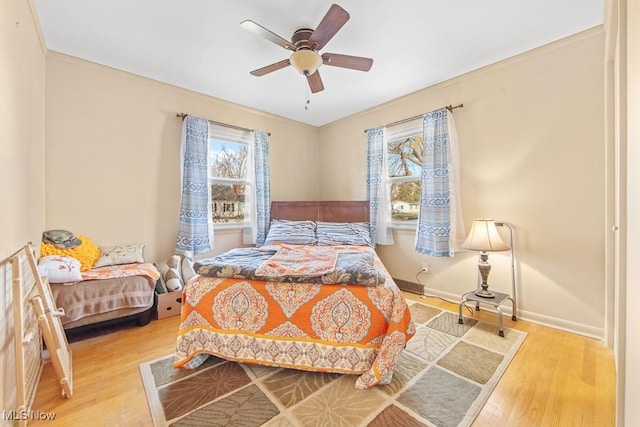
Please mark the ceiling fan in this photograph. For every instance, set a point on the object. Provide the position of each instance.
(305, 44)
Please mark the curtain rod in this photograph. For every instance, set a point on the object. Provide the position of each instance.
(183, 115)
(448, 107)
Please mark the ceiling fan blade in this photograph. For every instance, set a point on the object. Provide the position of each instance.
(270, 68)
(263, 32)
(335, 18)
(347, 61)
(315, 82)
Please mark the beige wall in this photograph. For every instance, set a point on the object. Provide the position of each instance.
(113, 143)
(531, 145)
(22, 78)
(531, 140)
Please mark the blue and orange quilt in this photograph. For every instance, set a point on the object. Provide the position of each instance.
(324, 327)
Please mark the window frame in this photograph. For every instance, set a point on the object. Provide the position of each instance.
(392, 133)
(230, 136)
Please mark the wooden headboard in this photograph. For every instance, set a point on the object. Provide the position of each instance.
(329, 211)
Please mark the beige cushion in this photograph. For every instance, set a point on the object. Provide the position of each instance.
(120, 254)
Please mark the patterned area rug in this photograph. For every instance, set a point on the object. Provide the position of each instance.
(444, 377)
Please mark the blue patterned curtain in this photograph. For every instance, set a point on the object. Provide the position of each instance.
(258, 198)
(440, 215)
(195, 229)
(378, 197)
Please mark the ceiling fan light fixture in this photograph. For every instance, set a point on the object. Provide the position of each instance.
(305, 61)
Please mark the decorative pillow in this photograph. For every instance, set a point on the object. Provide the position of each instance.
(87, 253)
(120, 254)
(171, 273)
(343, 233)
(59, 268)
(291, 232)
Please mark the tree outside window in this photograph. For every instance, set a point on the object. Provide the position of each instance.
(228, 162)
(404, 162)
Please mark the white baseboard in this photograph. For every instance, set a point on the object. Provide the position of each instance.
(540, 319)
(562, 324)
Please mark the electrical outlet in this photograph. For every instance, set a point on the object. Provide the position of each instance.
(425, 267)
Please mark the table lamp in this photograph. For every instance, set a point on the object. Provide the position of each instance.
(484, 237)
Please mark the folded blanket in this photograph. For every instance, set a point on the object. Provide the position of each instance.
(299, 261)
(123, 270)
(350, 266)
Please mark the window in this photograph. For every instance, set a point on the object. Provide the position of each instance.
(396, 173)
(228, 163)
(404, 163)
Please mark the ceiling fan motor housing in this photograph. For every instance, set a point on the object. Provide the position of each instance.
(300, 38)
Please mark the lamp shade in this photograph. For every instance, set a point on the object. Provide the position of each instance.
(484, 237)
(305, 61)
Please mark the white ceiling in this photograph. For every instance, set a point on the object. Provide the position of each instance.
(199, 44)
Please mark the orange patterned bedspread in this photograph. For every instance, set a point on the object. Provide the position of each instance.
(316, 327)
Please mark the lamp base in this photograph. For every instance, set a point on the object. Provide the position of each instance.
(485, 293)
(485, 268)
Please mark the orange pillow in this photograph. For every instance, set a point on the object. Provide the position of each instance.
(87, 252)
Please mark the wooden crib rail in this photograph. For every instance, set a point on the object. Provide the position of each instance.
(27, 334)
(52, 330)
(35, 317)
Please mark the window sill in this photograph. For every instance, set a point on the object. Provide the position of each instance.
(221, 226)
(407, 227)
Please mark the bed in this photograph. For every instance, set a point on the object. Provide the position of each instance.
(340, 320)
(106, 296)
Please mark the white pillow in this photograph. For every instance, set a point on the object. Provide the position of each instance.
(60, 269)
(120, 254)
(187, 269)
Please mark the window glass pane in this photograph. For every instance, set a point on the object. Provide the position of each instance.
(404, 156)
(228, 163)
(405, 201)
(227, 202)
(227, 159)
(404, 161)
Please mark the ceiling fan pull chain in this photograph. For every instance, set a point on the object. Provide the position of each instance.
(306, 93)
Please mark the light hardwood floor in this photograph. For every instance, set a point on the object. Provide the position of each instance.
(555, 379)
